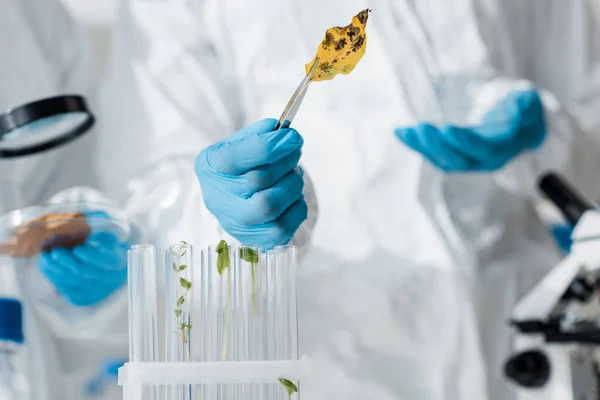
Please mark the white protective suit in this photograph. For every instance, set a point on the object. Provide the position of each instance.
(413, 272)
(44, 54)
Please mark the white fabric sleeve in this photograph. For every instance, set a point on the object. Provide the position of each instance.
(170, 92)
(569, 147)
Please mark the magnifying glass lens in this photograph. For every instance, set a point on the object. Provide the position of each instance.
(42, 130)
(43, 125)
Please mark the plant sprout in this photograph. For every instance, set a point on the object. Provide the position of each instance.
(289, 386)
(184, 327)
(250, 255)
(223, 263)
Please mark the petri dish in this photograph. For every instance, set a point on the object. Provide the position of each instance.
(26, 232)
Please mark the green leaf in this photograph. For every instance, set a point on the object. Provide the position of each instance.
(183, 244)
(175, 267)
(289, 386)
(182, 267)
(185, 325)
(223, 257)
(178, 313)
(249, 255)
(180, 301)
(222, 246)
(185, 283)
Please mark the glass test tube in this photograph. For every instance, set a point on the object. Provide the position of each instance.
(143, 339)
(260, 338)
(282, 322)
(204, 333)
(288, 259)
(247, 315)
(208, 351)
(271, 333)
(179, 296)
(218, 312)
(180, 288)
(141, 270)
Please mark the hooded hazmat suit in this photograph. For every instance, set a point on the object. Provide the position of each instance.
(413, 272)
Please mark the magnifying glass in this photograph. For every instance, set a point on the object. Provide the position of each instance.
(43, 125)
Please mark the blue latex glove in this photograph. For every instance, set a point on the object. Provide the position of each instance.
(252, 184)
(105, 379)
(514, 125)
(88, 273)
(562, 234)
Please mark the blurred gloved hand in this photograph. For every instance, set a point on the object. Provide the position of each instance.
(512, 126)
(252, 184)
(88, 273)
(562, 234)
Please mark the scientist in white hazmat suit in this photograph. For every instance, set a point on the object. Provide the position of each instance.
(76, 300)
(45, 54)
(427, 234)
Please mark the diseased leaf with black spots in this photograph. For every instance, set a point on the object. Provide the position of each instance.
(341, 49)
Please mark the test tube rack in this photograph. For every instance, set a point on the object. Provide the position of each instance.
(229, 329)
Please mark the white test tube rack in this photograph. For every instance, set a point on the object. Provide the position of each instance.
(230, 328)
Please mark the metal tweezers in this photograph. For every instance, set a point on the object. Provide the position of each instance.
(294, 104)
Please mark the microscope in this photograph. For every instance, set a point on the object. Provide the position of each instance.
(557, 354)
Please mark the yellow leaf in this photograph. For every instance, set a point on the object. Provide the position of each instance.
(341, 50)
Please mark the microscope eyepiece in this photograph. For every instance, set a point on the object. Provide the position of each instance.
(571, 203)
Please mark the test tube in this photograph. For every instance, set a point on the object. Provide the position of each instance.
(141, 262)
(287, 265)
(247, 313)
(204, 333)
(259, 338)
(210, 289)
(205, 337)
(287, 258)
(179, 306)
(143, 340)
(218, 311)
(282, 321)
(179, 298)
(271, 326)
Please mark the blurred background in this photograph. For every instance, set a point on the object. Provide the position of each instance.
(98, 17)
